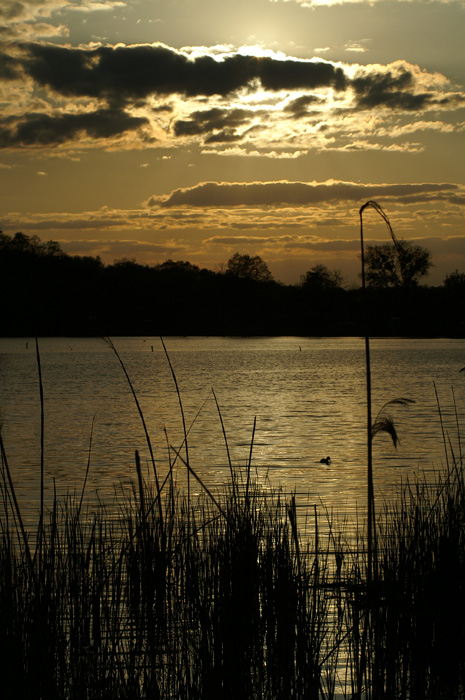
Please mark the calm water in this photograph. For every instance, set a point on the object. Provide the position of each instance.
(307, 394)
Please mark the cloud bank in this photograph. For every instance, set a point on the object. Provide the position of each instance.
(155, 95)
(300, 194)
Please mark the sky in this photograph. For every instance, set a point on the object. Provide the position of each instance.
(194, 129)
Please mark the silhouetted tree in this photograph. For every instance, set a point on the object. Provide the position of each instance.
(177, 265)
(125, 262)
(48, 292)
(321, 277)
(247, 267)
(396, 265)
(32, 245)
(456, 280)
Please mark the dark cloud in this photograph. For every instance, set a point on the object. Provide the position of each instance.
(134, 72)
(11, 9)
(162, 108)
(127, 72)
(45, 130)
(225, 136)
(14, 10)
(294, 75)
(131, 73)
(383, 82)
(299, 107)
(394, 90)
(123, 74)
(214, 194)
(405, 101)
(119, 76)
(8, 67)
(220, 123)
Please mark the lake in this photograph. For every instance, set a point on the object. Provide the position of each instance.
(308, 396)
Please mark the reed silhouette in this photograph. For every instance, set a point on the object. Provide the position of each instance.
(162, 595)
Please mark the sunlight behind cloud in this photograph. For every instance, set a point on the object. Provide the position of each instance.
(253, 98)
(261, 52)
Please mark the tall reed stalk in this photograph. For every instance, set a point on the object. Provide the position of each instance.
(42, 453)
(109, 342)
(371, 516)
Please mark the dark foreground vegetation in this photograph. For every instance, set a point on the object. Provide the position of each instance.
(162, 596)
(238, 594)
(46, 292)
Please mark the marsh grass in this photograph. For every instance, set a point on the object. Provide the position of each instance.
(216, 604)
(163, 594)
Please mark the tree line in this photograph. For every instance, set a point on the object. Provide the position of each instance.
(48, 292)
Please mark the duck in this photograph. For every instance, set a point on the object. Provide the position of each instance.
(325, 460)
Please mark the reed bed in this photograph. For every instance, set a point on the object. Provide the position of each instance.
(163, 595)
(223, 599)
(121, 607)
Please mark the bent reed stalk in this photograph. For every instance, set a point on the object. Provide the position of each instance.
(223, 597)
(371, 515)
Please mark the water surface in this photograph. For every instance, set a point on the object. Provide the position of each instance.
(308, 396)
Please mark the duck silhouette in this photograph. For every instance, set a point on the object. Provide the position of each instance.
(325, 460)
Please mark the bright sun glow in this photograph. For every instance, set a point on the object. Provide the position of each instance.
(261, 52)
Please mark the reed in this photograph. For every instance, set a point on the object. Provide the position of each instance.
(371, 514)
(418, 636)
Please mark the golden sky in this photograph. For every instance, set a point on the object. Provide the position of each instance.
(192, 129)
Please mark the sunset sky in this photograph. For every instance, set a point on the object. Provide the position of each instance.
(192, 129)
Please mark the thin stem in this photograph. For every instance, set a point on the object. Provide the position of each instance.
(144, 425)
(371, 523)
(250, 463)
(42, 453)
(17, 510)
(370, 488)
(181, 408)
(89, 453)
(231, 470)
